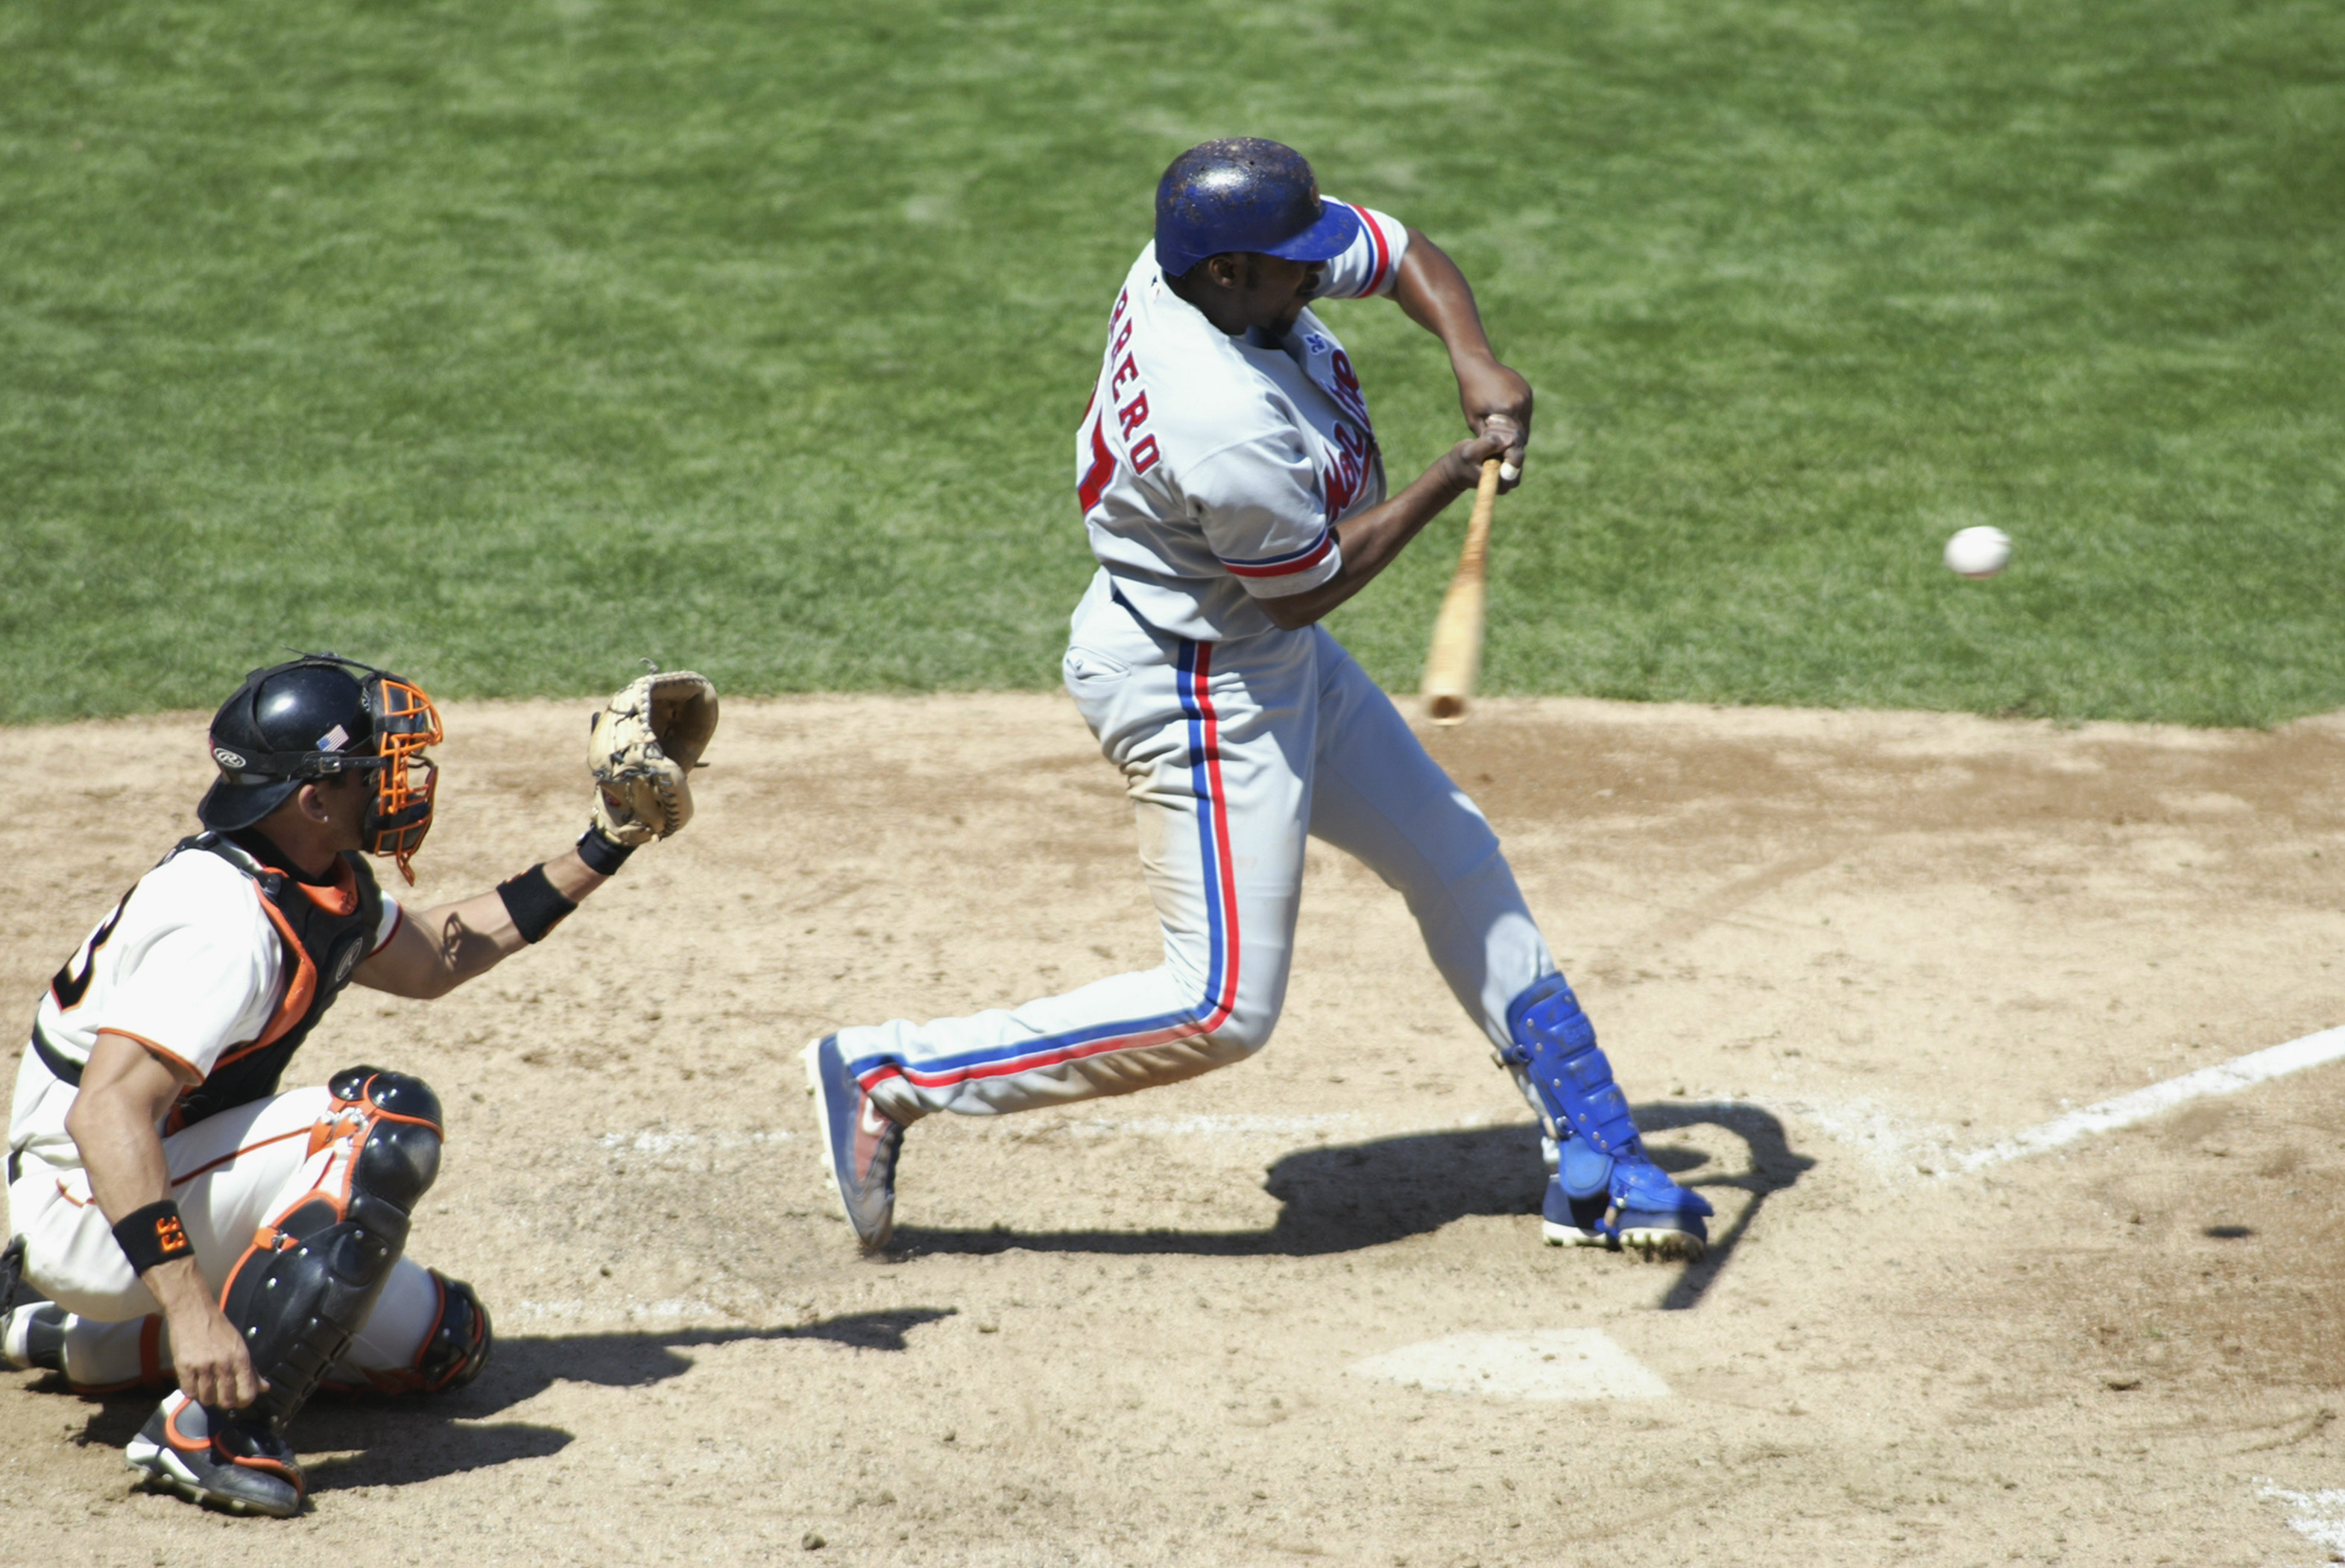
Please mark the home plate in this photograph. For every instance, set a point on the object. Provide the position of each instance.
(1545, 1364)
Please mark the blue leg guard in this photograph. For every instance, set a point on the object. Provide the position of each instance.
(1604, 1191)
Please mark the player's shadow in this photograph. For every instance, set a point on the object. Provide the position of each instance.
(1348, 1197)
(371, 1441)
(1773, 1165)
(526, 1367)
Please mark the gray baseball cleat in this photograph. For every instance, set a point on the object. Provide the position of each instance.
(217, 1457)
(859, 1144)
(33, 1337)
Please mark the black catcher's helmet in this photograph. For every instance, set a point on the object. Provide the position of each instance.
(321, 717)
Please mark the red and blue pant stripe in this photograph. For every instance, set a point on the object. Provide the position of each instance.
(1215, 862)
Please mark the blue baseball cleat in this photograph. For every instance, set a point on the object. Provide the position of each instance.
(1634, 1205)
(1606, 1191)
(859, 1144)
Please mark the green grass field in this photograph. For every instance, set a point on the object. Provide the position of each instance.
(507, 344)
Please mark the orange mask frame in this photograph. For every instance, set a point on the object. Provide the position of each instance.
(405, 723)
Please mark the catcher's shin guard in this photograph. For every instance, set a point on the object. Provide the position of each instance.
(1604, 1191)
(454, 1351)
(308, 1284)
(458, 1350)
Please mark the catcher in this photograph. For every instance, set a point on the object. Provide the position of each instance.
(183, 1221)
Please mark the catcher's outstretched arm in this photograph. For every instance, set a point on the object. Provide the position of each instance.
(439, 949)
(641, 748)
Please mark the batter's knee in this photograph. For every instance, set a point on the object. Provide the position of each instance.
(1245, 1031)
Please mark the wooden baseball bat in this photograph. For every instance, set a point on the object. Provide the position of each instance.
(1456, 657)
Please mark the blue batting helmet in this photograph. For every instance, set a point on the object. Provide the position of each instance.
(1245, 194)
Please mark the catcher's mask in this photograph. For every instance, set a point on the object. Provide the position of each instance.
(318, 717)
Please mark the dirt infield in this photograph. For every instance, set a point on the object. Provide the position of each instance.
(1828, 952)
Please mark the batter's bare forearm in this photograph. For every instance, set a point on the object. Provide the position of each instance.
(1432, 292)
(1435, 295)
(1373, 539)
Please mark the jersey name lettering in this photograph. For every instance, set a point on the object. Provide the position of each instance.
(1129, 416)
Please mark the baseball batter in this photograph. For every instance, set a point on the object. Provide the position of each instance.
(183, 1220)
(1234, 490)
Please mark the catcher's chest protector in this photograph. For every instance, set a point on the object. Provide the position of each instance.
(324, 932)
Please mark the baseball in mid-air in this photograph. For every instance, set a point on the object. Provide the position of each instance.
(1980, 551)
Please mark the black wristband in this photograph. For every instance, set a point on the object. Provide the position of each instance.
(602, 857)
(535, 908)
(153, 1235)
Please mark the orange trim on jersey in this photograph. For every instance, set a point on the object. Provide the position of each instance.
(233, 1154)
(298, 991)
(166, 1052)
(69, 1198)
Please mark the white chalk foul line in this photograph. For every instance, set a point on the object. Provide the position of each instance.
(661, 1141)
(2320, 1516)
(2223, 1078)
(1211, 1126)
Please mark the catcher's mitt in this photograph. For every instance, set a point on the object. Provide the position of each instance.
(643, 749)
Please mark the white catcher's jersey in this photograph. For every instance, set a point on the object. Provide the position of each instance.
(1212, 470)
(189, 964)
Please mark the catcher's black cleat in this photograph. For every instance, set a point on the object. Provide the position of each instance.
(215, 1457)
